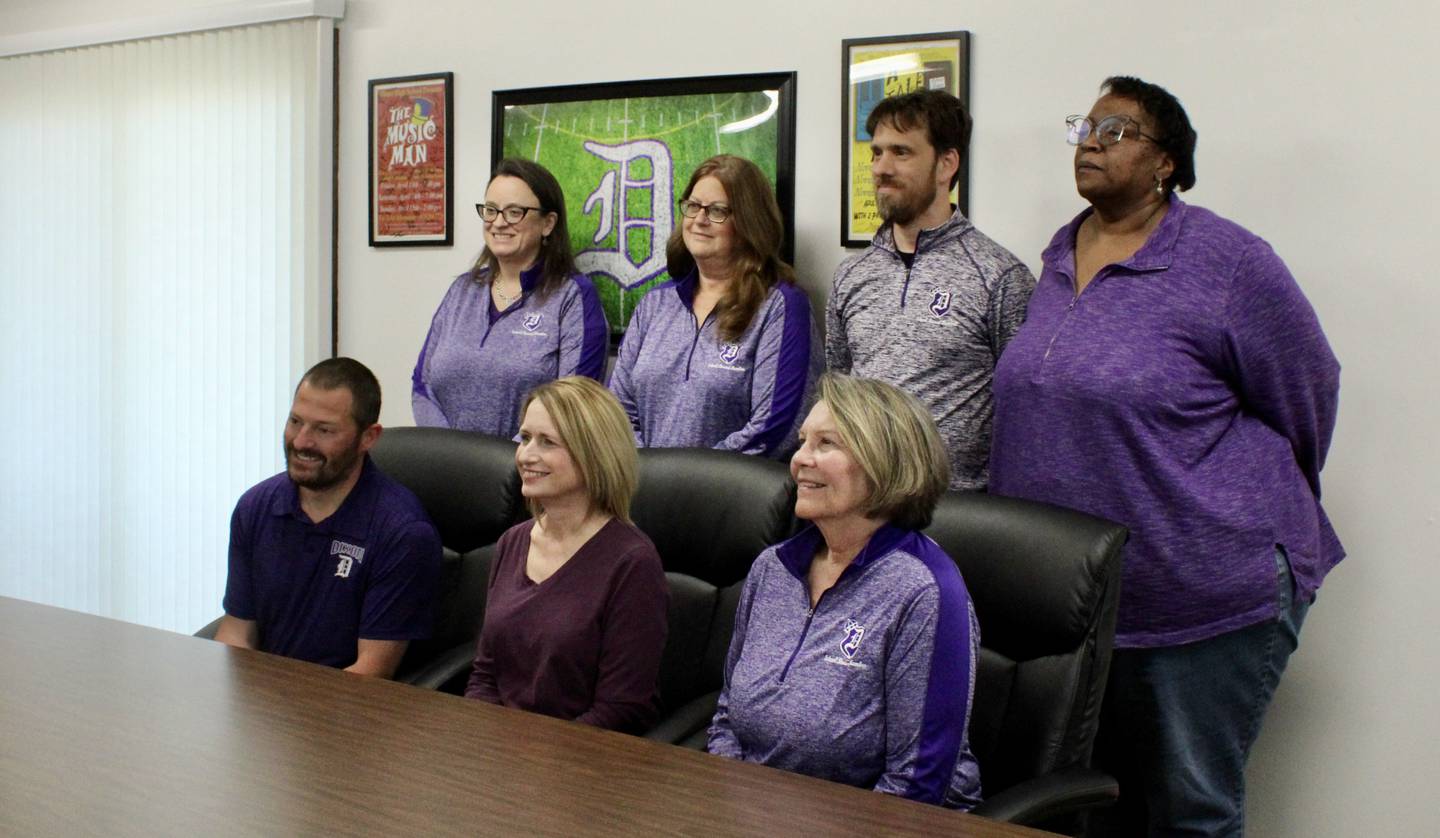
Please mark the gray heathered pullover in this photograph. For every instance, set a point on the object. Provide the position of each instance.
(935, 330)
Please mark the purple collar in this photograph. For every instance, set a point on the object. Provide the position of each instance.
(353, 516)
(796, 553)
(1155, 254)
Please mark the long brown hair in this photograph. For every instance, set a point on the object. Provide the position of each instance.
(556, 258)
(759, 232)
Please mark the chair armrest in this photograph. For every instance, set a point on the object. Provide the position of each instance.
(1053, 795)
(439, 671)
(690, 717)
(210, 629)
(697, 741)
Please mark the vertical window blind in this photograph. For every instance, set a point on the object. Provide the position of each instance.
(164, 280)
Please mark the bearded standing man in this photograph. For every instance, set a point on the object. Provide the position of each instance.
(331, 561)
(931, 304)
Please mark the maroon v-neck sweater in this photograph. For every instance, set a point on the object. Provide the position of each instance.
(584, 644)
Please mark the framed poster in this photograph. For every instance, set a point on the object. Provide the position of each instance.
(873, 69)
(624, 151)
(411, 171)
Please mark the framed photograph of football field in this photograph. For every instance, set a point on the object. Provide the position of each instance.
(876, 68)
(624, 151)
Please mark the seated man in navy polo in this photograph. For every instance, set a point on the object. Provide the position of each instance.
(331, 561)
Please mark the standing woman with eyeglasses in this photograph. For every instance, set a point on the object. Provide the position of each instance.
(725, 354)
(1172, 376)
(523, 315)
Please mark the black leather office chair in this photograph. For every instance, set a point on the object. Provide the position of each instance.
(1045, 582)
(710, 513)
(468, 485)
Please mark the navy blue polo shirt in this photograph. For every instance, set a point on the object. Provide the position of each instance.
(368, 571)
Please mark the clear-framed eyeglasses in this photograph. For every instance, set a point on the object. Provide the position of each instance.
(1111, 130)
(514, 213)
(717, 213)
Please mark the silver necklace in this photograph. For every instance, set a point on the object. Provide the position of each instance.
(505, 299)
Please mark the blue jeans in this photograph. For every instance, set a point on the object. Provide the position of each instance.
(1178, 723)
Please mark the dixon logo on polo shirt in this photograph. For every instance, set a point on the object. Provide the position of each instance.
(941, 304)
(532, 322)
(349, 554)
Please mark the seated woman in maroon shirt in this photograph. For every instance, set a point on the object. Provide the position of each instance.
(575, 619)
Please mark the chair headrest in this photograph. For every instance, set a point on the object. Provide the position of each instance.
(1032, 569)
(710, 513)
(466, 481)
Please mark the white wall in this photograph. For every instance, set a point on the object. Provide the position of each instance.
(1314, 132)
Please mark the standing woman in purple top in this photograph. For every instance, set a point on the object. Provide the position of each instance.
(1171, 376)
(575, 617)
(855, 644)
(520, 317)
(724, 355)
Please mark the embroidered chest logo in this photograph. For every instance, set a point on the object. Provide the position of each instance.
(728, 354)
(532, 321)
(349, 554)
(940, 306)
(854, 632)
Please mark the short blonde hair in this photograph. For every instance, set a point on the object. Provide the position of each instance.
(895, 442)
(597, 433)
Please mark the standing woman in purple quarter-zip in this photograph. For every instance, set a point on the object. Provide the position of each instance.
(1171, 376)
(521, 316)
(723, 355)
(855, 644)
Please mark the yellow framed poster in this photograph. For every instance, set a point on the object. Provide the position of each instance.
(876, 68)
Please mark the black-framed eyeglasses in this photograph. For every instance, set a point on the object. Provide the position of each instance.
(717, 213)
(1109, 131)
(514, 213)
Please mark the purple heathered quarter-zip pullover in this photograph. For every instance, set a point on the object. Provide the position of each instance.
(1189, 394)
(473, 372)
(683, 387)
(872, 687)
(934, 329)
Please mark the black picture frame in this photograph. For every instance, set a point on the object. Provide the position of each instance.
(593, 127)
(935, 58)
(404, 210)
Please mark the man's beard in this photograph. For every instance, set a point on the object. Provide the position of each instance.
(905, 206)
(328, 472)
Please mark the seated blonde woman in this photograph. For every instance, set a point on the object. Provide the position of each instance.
(855, 642)
(575, 619)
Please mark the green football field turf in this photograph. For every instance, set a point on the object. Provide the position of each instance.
(689, 128)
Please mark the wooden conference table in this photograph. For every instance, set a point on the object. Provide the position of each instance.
(116, 729)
